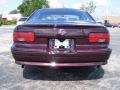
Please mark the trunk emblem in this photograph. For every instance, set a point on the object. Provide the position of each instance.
(62, 32)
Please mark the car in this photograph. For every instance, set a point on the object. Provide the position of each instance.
(107, 23)
(21, 20)
(116, 25)
(61, 37)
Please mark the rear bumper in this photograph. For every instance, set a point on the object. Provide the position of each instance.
(60, 64)
(44, 58)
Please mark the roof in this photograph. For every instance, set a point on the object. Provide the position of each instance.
(61, 9)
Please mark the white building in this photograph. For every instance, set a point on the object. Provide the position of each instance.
(11, 17)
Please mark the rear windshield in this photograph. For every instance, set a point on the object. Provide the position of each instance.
(59, 16)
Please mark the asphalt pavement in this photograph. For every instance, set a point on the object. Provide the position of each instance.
(13, 77)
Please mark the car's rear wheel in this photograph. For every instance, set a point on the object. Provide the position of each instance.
(22, 66)
(98, 66)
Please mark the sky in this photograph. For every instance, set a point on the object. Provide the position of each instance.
(104, 7)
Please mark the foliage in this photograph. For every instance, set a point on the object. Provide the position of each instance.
(0, 16)
(13, 12)
(11, 22)
(0, 19)
(28, 6)
(89, 7)
(0, 22)
(5, 22)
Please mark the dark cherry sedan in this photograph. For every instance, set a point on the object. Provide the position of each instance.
(61, 38)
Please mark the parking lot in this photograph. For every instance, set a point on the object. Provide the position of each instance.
(13, 77)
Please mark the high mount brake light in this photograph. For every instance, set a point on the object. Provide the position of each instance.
(23, 37)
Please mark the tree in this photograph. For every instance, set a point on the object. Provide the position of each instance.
(0, 16)
(0, 19)
(13, 12)
(89, 7)
(28, 6)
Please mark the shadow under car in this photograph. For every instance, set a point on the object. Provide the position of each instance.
(63, 74)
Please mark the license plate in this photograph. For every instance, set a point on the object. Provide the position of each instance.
(62, 44)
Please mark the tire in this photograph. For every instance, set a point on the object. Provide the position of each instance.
(22, 66)
(98, 66)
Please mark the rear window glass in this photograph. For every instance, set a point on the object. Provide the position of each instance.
(59, 16)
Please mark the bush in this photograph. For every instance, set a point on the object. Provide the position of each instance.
(3, 22)
(8, 22)
(0, 22)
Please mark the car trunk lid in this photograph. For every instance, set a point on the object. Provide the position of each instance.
(75, 34)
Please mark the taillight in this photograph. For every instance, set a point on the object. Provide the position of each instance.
(99, 38)
(23, 37)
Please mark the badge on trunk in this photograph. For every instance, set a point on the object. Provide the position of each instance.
(62, 32)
